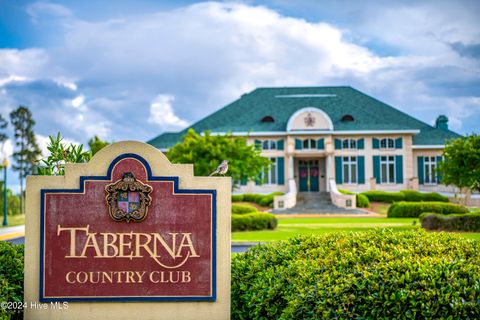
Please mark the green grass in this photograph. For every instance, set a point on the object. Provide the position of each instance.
(15, 220)
(290, 227)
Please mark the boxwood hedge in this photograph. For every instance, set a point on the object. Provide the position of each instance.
(404, 195)
(265, 200)
(361, 199)
(243, 208)
(469, 222)
(253, 221)
(379, 274)
(415, 209)
(11, 278)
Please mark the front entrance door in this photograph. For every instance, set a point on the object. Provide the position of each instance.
(308, 173)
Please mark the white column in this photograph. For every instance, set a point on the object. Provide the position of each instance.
(290, 167)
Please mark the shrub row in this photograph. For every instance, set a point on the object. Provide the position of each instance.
(415, 209)
(11, 278)
(361, 199)
(379, 274)
(469, 222)
(264, 200)
(404, 195)
(243, 208)
(253, 221)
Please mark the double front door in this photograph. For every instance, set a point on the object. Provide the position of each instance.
(309, 175)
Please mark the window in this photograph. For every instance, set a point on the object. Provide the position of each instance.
(430, 167)
(309, 144)
(387, 143)
(270, 176)
(268, 119)
(349, 144)
(347, 118)
(350, 169)
(387, 169)
(269, 145)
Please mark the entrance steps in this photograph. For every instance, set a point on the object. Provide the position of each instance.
(316, 202)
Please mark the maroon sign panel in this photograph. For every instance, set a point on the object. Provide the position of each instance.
(127, 236)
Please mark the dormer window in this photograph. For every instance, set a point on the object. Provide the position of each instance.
(268, 119)
(347, 118)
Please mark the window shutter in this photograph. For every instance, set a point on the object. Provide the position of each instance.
(281, 170)
(338, 170)
(420, 170)
(361, 169)
(375, 143)
(298, 144)
(376, 167)
(320, 144)
(398, 143)
(439, 174)
(399, 169)
(258, 144)
(280, 144)
(360, 144)
(338, 144)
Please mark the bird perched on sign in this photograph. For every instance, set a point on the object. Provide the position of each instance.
(221, 169)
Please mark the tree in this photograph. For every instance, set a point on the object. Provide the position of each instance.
(461, 165)
(3, 125)
(96, 144)
(28, 153)
(206, 152)
(54, 163)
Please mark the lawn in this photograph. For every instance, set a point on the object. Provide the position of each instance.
(290, 227)
(15, 220)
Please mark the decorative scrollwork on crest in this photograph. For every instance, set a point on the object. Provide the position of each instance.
(128, 199)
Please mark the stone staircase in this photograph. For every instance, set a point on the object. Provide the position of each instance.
(317, 202)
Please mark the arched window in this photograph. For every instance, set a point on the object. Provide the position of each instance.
(269, 145)
(268, 119)
(309, 144)
(387, 143)
(347, 118)
(349, 144)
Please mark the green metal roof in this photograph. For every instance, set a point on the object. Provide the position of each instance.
(245, 114)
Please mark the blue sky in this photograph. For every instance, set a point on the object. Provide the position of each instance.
(133, 69)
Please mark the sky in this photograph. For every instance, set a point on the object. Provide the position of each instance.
(132, 69)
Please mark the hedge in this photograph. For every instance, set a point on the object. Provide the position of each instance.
(264, 200)
(379, 274)
(11, 278)
(361, 199)
(237, 197)
(469, 222)
(404, 195)
(253, 221)
(415, 209)
(243, 208)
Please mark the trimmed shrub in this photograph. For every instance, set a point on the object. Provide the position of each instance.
(379, 274)
(11, 278)
(264, 200)
(383, 196)
(237, 197)
(253, 221)
(415, 196)
(243, 208)
(361, 199)
(469, 222)
(415, 209)
(249, 197)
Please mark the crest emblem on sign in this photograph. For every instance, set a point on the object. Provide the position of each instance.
(309, 120)
(128, 199)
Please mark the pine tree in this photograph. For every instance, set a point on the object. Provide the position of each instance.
(28, 153)
(3, 125)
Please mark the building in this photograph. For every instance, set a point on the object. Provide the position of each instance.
(323, 138)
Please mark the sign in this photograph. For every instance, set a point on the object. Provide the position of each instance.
(129, 235)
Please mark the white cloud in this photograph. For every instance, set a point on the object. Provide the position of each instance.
(6, 150)
(162, 114)
(41, 8)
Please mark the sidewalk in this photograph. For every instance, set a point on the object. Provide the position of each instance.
(12, 232)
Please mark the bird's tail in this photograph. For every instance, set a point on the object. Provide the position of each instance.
(211, 174)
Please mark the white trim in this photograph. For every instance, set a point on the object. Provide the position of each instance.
(428, 146)
(309, 109)
(320, 132)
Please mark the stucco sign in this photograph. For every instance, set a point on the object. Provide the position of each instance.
(130, 234)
